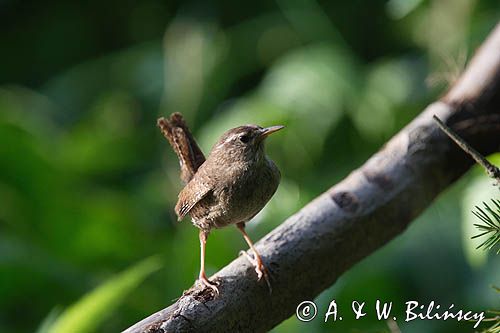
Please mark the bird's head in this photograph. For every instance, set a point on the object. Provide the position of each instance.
(244, 142)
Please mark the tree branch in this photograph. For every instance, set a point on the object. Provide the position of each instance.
(311, 249)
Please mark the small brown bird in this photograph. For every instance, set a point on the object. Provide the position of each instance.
(230, 187)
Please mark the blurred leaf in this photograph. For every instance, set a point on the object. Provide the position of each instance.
(314, 79)
(90, 311)
(191, 51)
(134, 70)
(310, 20)
(398, 9)
(28, 109)
(108, 127)
(49, 321)
(312, 86)
(200, 82)
(388, 84)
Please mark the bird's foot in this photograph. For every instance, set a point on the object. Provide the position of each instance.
(260, 269)
(206, 283)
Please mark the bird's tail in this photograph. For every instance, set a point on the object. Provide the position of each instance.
(183, 143)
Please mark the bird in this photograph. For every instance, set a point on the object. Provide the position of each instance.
(229, 187)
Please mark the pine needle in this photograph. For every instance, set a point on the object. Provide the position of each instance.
(491, 227)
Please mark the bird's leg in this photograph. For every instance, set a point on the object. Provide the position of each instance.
(260, 269)
(205, 282)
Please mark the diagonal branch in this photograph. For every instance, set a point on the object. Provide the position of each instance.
(311, 249)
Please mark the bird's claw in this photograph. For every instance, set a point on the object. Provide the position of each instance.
(249, 257)
(206, 283)
(260, 269)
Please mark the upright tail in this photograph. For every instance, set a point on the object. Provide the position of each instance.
(183, 143)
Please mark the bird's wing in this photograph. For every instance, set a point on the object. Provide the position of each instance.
(190, 195)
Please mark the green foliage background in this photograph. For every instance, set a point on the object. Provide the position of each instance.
(88, 184)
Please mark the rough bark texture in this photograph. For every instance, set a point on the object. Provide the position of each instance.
(375, 203)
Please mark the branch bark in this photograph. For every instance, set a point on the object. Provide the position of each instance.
(310, 250)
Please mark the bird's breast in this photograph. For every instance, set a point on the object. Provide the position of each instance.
(247, 193)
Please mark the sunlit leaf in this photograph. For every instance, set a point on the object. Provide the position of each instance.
(49, 321)
(90, 311)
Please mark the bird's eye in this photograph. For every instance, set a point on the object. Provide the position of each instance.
(244, 138)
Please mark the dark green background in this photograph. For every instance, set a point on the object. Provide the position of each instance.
(88, 184)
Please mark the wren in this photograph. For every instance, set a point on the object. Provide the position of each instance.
(229, 187)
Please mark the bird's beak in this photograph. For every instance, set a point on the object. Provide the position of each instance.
(264, 133)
